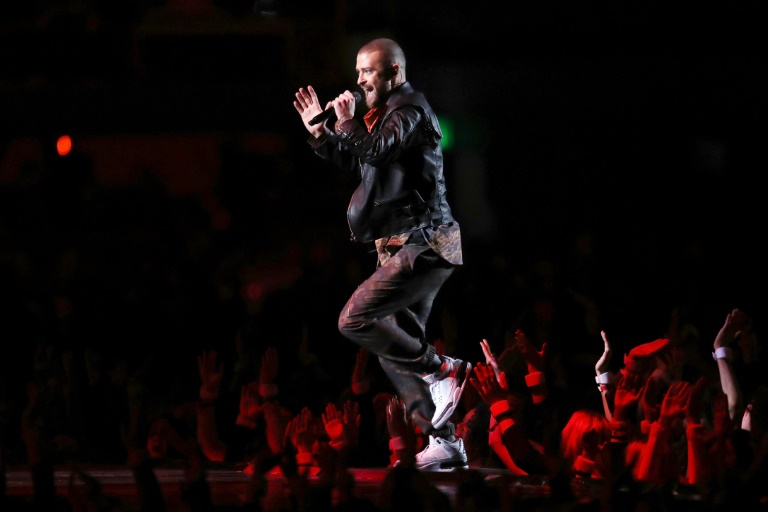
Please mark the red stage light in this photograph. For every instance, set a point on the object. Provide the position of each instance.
(64, 145)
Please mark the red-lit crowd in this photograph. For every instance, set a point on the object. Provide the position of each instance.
(675, 431)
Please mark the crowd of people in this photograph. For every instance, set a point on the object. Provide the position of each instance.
(674, 430)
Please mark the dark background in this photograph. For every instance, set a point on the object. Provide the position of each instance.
(602, 153)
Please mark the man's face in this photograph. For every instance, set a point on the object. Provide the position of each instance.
(373, 78)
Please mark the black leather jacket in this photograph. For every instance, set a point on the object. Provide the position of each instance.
(402, 186)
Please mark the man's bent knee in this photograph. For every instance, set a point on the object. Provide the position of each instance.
(349, 326)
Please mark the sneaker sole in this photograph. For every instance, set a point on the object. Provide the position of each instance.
(444, 467)
(441, 469)
(461, 375)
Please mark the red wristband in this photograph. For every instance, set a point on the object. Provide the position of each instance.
(500, 407)
(396, 443)
(534, 379)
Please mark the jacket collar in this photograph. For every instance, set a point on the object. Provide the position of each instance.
(397, 94)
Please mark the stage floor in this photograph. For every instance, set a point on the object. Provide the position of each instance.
(233, 487)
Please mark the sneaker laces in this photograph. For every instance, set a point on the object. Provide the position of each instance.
(434, 444)
(437, 395)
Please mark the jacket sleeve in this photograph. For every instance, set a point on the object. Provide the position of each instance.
(328, 148)
(385, 144)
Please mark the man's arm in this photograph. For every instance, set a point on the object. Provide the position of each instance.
(387, 142)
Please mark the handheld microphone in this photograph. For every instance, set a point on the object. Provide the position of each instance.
(330, 112)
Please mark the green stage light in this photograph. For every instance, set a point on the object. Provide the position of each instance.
(447, 127)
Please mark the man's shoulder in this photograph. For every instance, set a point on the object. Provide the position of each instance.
(405, 94)
(409, 98)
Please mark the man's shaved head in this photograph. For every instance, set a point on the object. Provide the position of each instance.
(389, 52)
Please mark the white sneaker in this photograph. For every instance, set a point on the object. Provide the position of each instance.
(442, 455)
(446, 386)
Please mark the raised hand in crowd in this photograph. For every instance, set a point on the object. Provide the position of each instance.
(331, 453)
(306, 454)
(250, 405)
(605, 378)
(650, 403)
(535, 361)
(603, 365)
(276, 416)
(351, 416)
(624, 425)
(302, 433)
(404, 487)
(340, 426)
(658, 459)
(402, 434)
(519, 454)
(490, 388)
(626, 402)
(211, 372)
(734, 327)
(491, 361)
(362, 400)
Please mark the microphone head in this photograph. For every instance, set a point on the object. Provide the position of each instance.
(358, 97)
